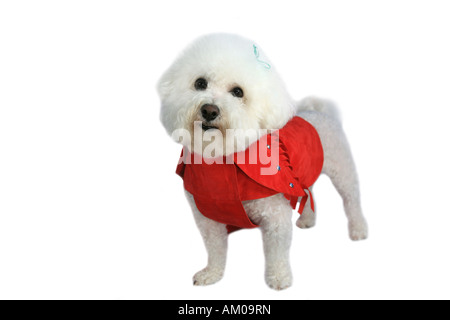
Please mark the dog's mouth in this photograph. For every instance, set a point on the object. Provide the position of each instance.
(206, 127)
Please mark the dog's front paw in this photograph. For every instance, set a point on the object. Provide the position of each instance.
(279, 278)
(207, 276)
(358, 229)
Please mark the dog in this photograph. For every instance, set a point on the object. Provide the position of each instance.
(219, 98)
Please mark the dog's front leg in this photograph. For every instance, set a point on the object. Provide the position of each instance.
(215, 236)
(274, 216)
(277, 236)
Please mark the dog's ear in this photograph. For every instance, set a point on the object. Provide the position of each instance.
(275, 106)
(165, 89)
(165, 86)
(278, 114)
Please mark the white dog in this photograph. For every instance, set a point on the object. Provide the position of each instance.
(224, 82)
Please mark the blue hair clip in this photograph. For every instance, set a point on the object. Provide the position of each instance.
(256, 52)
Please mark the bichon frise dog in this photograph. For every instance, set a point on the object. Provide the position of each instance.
(250, 153)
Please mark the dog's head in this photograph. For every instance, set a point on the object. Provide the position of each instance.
(223, 82)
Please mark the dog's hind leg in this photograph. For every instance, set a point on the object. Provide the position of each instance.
(340, 167)
(215, 237)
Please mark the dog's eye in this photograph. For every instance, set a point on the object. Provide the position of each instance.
(201, 84)
(237, 92)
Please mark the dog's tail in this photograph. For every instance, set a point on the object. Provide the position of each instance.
(319, 105)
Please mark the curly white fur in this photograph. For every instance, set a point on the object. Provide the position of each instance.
(227, 61)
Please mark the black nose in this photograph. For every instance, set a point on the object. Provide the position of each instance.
(209, 112)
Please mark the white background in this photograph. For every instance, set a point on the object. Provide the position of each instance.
(90, 206)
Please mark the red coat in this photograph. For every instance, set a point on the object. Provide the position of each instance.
(219, 189)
